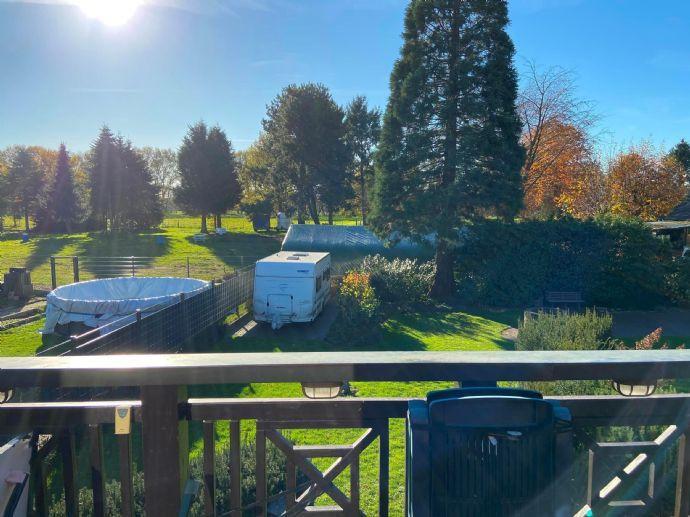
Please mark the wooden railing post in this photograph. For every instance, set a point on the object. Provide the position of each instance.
(165, 442)
(683, 478)
(69, 473)
(124, 442)
(261, 488)
(209, 469)
(235, 470)
(97, 470)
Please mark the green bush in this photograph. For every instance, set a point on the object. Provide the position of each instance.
(678, 281)
(613, 262)
(561, 330)
(402, 283)
(359, 310)
(590, 330)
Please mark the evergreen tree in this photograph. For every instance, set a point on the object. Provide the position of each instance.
(106, 188)
(305, 131)
(681, 152)
(449, 147)
(25, 182)
(122, 190)
(208, 174)
(62, 199)
(363, 131)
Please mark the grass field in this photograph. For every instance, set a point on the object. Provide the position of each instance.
(168, 250)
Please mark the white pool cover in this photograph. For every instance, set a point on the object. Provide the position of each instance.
(98, 302)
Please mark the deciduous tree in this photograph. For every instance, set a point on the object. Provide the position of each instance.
(559, 174)
(164, 171)
(449, 145)
(557, 134)
(305, 131)
(645, 183)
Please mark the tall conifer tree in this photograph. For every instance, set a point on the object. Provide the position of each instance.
(62, 199)
(449, 147)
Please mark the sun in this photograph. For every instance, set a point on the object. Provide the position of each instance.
(109, 12)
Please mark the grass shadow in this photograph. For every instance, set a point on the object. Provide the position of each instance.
(44, 247)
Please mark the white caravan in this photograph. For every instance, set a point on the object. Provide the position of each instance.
(291, 286)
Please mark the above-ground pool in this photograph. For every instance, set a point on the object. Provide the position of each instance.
(98, 302)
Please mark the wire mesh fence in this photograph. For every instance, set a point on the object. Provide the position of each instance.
(168, 330)
(67, 269)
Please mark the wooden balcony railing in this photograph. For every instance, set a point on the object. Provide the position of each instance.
(613, 471)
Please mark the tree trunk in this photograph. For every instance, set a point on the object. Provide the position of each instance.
(204, 229)
(330, 217)
(26, 220)
(313, 210)
(443, 286)
(300, 215)
(219, 222)
(363, 195)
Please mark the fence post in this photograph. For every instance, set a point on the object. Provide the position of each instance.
(53, 273)
(165, 440)
(131, 261)
(75, 268)
(188, 275)
(186, 337)
(137, 327)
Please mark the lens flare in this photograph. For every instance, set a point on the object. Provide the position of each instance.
(109, 12)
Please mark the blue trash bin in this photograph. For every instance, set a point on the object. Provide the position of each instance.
(488, 452)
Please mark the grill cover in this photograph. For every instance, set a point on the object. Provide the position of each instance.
(486, 452)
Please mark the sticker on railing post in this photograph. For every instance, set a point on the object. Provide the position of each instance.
(123, 419)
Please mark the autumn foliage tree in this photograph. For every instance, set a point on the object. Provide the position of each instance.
(562, 172)
(645, 183)
(557, 137)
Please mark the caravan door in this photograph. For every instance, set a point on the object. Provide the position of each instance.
(280, 309)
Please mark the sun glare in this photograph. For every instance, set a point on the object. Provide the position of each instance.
(109, 12)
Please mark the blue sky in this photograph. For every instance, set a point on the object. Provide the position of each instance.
(63, 75)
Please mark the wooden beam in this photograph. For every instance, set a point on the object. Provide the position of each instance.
(165, 445)
(192, 369)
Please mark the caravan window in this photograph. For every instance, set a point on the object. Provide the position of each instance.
(318, 283)
(327, 275)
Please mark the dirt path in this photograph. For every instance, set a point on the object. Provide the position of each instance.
(315, 331)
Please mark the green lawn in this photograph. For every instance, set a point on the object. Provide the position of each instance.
(444, 328)
(213, 258)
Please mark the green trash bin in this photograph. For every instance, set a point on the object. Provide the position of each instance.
(488, 452)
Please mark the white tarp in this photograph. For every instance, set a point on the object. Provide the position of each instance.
(99, 302)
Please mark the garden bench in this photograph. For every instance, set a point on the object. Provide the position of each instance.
(200, 237)
(561, 298)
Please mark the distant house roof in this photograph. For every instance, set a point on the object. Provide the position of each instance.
(661, 226)
(681, 212)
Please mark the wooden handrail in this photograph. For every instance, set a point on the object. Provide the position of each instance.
(193, 369)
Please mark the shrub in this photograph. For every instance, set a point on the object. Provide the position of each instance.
(360, 315)
(399, 282)
(678, 281)
(564, 331)
(614, 262)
